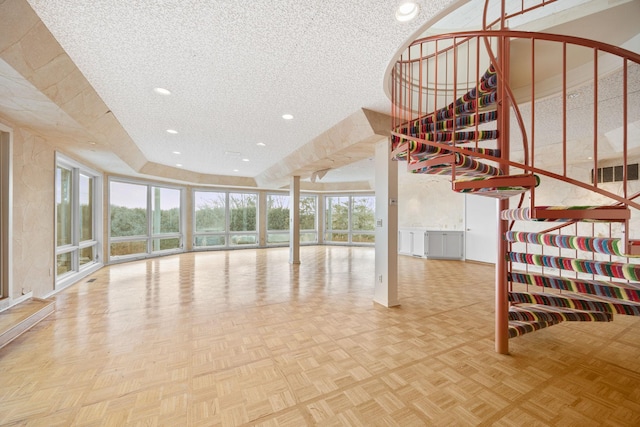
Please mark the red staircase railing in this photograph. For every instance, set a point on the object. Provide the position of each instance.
(463, 104)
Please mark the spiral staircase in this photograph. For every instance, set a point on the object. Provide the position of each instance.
(490, 110)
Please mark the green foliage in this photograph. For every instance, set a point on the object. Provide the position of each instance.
(128, 222)
(243, 219)
(338, 213)
(362, 216)
(278, 219)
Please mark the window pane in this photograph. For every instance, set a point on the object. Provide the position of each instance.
(210, 241)
(166, 244)
(86, 255)
(242, 210)
(63, 205)
(165, 210)
(363, 238)
(86, 208)
(363, 213)
(277, 212)
(243, 239)
(210, 211)
(63, 263)
(337, 237)
(308, 237)
(128, 248)
(276, 238)
(308, 212)
(128, 209)
(337, 213)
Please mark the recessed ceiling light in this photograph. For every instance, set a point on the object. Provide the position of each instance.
(287, 116)
(407, 11)
(179, 165)
(589, 158)
(172, 131)
(176, 152)
(261, 144)
(236, 170)
(245, 160)
(162, 91)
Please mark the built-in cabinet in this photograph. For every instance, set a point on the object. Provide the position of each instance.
(433, 244)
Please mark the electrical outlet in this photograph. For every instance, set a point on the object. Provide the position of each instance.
(380, 278)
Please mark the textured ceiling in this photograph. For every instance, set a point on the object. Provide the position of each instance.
(234, 68)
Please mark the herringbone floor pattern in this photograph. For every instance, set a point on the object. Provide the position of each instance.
(244, 338)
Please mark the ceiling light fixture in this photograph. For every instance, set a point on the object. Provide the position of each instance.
(179, 165)
(287, 116)
(261, 144)
(176, 152)
(172, 131)
(245, 160)
(162, 91)
(236, 170)
(407, 11)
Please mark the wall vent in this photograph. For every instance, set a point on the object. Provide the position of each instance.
(615, 173)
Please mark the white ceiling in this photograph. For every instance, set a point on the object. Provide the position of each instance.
(234, 68)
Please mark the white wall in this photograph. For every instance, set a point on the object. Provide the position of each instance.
(427, 201)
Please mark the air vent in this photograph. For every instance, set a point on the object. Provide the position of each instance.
(616, 173)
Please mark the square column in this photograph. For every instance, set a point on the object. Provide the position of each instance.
(386, 258)
(294, 220)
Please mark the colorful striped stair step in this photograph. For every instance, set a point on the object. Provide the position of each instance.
(442, 165)
(578, 302)
(461, 122)
(486, 87)
(518, 328)
(617, 270)
(568, 213)
(602, 245)
(420, 151)
(620, 291)
(459, 136)
(532, 313)
(500, 187)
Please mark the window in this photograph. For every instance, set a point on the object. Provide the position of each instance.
(243, 219)
(78, 219)
(308, 223)
(225, 219)
(363, 212)
(337, 219)
(278, 219)
(210, 218)
(350, 219)
(144, 219)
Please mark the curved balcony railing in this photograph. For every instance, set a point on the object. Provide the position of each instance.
(439, 71)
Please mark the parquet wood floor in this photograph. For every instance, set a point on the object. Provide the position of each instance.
(244, 338)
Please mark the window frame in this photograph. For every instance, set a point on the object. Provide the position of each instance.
(75, 247)
(286, 232)
(228, 234)
(148, 239)
(328, 231)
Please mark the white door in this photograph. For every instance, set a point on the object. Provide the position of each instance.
(481, 228)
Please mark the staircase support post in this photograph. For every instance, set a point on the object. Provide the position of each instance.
(502, 295)
(501, 291)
